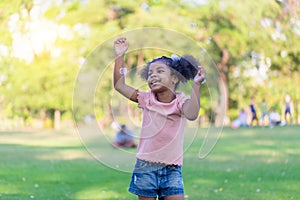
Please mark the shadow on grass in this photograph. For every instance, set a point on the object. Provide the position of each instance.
(53, 171)
(245, 164)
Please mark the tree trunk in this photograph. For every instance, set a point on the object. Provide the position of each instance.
(57, 116)
(221, 113)
(110, 117)
(43, 117)
(140, 59)
(43, 114)
(297, 114)
(130, 61)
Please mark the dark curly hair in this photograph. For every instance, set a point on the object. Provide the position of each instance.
(185, 67)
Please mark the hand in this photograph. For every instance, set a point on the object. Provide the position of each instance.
(200, 76)
(121, 45)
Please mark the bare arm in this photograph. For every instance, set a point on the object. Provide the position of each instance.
(121, 45)
(191, 107)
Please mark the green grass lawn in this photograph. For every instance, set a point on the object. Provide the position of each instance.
(247, 163)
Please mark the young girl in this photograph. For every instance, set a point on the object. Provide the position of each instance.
(157, 171)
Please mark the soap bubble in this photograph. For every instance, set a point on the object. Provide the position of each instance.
(93, 93)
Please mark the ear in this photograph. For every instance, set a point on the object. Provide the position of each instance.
(174, 79)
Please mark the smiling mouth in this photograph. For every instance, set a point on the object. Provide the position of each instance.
(154, 82)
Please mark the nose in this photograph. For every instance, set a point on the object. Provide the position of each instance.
(152, 75)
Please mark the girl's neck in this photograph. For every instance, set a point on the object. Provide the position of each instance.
(166, 96)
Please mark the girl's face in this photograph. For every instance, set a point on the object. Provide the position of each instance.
(160, 77)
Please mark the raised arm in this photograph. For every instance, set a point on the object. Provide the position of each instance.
(191, 107)
(121, 45)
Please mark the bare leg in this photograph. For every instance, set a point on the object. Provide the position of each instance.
(115, 144)
(174, 197)
(126, 144)
(146, 198)
(129, 143)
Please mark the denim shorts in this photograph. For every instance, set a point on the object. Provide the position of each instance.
(156, 180)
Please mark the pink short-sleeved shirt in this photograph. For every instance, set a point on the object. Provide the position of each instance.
(162, 133)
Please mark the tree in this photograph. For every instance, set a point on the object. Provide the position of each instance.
(254, 45)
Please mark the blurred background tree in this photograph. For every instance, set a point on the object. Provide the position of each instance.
(43, 44)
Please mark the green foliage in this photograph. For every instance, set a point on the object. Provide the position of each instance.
(243, 28)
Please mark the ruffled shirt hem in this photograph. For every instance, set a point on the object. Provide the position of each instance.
(159, 162)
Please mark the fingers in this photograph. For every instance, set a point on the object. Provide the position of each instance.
(121, 40)
(201, 71)
(121, 45)
(201, 75)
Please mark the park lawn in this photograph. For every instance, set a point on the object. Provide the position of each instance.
(247, 163)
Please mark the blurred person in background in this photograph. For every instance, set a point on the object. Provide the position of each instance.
(253, 111)
(264, 112)
(275, 119)
(289, 109)
(124, 138)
